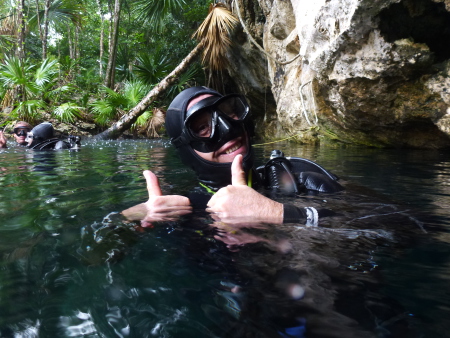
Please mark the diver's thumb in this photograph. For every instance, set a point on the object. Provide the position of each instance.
(152, 184)
(237, 171)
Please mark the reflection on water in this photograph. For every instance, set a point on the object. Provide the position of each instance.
(377, 266)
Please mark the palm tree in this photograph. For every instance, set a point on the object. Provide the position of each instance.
(213, 34)
(56, 14)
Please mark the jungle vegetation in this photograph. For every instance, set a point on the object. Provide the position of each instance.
(94, 60)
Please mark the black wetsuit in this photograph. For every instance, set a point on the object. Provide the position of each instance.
(307, 178)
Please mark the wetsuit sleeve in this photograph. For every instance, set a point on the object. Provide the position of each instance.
(307, 215)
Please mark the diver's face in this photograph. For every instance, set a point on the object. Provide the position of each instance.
(29, 138)
(20, 134)
(229, 150)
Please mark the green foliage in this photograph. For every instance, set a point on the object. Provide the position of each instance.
(28, 110)
(196, 11)
(154, 36)
(142, 120)
(186, 79)
(115, 104)
(36, 88)
(68, 112)
(17, 75)
(125, 59)
(46, 73)
(153, 67)
(156, 11)
(60, 14)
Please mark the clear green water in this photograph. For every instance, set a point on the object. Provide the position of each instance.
(379, 266)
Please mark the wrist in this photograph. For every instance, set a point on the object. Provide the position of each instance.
(307, 215)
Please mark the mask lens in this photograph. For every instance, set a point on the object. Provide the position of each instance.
(233, 107)
(200, 123)
(21, 131)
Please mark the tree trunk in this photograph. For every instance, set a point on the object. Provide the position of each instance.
(20, 30)
(102, 29)
(128, 119)
(39, 21)
(69, 39)
(77, 43)
(110, 69)
(45, 34)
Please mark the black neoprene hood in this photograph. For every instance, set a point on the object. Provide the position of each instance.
(42, 132)
(213, 174)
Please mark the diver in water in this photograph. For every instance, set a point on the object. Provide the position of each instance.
(42, 137)
(20, 131)
(212, 134)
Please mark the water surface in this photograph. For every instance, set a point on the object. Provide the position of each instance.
(377, 266)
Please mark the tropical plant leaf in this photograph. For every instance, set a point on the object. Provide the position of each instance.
(29, 110)
(134, 91)
(60, 13)
(103, 112)
(184, 80)
(17, 75)
(47, 72)
(68, 112)
(155, 11)
(155, 123)
(214, 32)
(151, 68)
(115, 104)
(141, 120)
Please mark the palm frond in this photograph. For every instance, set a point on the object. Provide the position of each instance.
(13, 72)
(214, 32)
(103, 112)
(155, 11)
(134, 91)
(152, 67)
(60, 13)
(28, 110)
(141, 120)
(8, 98)
(47, 72)
(155, 123)
(68, 112)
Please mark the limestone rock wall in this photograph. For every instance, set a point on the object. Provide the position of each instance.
(373, 72)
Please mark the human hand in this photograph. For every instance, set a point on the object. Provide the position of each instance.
(158, 207)
(2, 140)
(235, 239)
(238, 203)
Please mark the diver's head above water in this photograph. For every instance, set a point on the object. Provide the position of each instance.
(20, 131)
(209, 130)
(40, 133)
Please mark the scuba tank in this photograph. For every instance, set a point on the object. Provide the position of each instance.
(294, 175)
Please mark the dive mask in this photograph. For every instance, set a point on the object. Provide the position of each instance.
(21, 131)
(212, 122)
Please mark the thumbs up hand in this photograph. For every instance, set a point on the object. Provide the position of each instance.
(238, 203)
(158, 207)
(2, 140)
